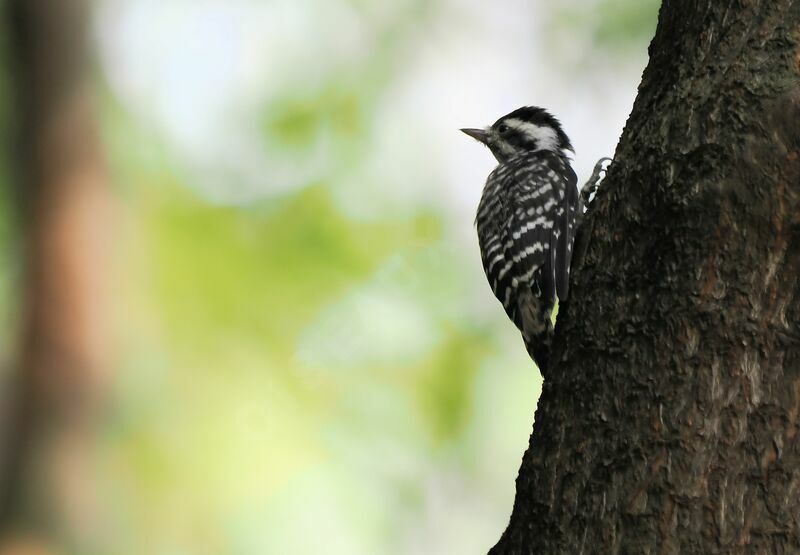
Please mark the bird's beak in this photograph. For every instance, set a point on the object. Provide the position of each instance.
(478, 134)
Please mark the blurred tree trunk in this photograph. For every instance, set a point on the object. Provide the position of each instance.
(670, 421)
(45, 470)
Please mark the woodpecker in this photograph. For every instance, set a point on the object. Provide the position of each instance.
(527, 218)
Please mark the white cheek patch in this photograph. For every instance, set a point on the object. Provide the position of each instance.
(546, 137)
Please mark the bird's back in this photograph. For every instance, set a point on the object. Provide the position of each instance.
(526, 221)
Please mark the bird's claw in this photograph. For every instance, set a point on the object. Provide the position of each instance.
(591, 186)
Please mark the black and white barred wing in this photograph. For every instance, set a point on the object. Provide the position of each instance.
(526, 225)
(568, 210)
(532, 229)
(493, 214)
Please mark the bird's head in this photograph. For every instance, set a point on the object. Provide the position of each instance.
(526, 129)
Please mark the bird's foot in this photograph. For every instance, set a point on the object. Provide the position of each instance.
(590, 188)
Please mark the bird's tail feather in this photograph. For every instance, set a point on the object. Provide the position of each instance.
(539, 348)
(537, 328)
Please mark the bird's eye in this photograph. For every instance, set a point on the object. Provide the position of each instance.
(502, 128)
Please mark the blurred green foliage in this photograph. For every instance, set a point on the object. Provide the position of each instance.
(341, 101)
(231, 388)
(9, 247)
(620, 26)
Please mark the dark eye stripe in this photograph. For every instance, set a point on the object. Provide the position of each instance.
(518, 139)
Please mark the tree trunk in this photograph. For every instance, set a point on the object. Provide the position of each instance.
(45, 471)
(669, 423)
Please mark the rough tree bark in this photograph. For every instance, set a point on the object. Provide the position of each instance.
(63, 203)
(670, 421)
